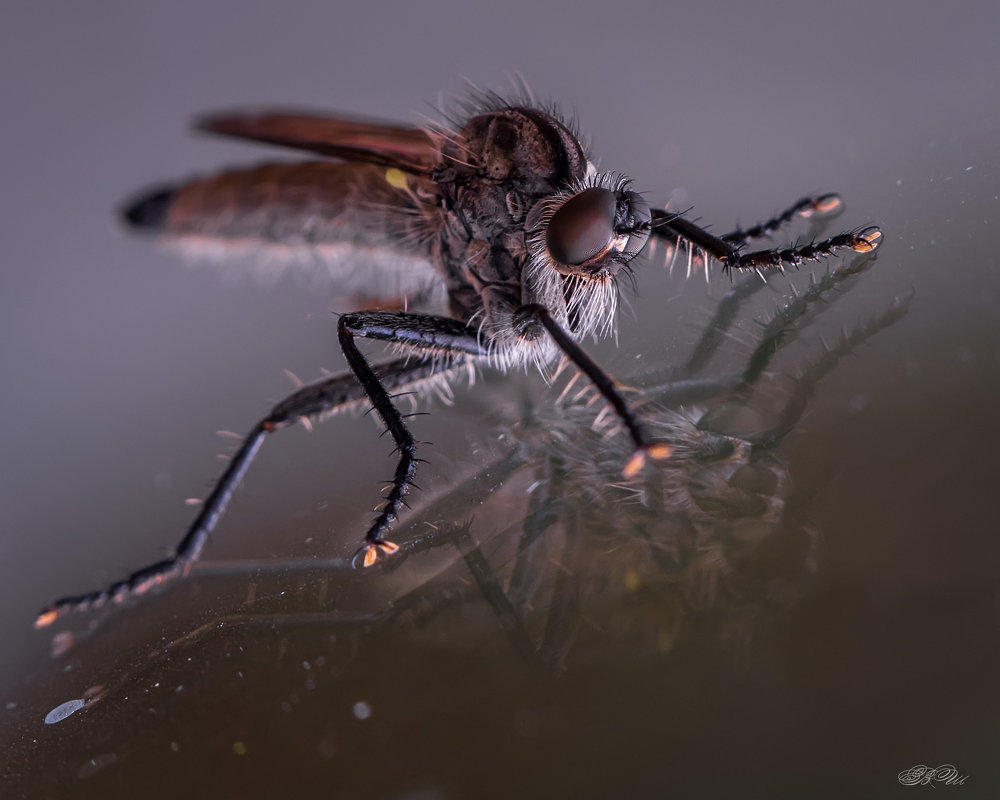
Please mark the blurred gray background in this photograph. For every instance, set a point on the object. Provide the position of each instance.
(119, 361)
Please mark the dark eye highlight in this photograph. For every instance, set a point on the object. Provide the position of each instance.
(582, 227)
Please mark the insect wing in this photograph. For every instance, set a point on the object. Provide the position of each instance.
(409, 149)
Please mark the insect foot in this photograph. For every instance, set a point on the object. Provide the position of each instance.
(368, 553)
(868, 240)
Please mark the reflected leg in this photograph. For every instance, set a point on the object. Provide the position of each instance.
(679, 386)
(805, 385)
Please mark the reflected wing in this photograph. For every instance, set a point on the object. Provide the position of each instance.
(409, 149)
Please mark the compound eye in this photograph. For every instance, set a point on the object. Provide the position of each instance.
(582, 227)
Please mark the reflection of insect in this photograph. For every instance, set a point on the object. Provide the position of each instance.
(714, 545)
(524, 235)
(716, 542)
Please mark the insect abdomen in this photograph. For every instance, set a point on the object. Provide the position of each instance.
(306, 204)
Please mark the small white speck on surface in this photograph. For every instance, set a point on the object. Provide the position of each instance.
(96, 764)
(362, 710)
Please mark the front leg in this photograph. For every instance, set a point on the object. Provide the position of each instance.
(535, 314)
(441, 336)
(672, 227)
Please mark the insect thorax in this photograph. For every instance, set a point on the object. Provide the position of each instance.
(491, 174)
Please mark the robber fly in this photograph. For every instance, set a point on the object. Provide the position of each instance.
(503, 206)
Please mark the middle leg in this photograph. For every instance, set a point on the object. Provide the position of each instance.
(441, 337)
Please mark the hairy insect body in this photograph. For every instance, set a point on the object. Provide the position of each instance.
(499, 166)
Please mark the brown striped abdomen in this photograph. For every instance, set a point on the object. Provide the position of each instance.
(307, 204)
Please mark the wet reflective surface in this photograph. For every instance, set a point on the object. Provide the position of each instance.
(809, 622)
